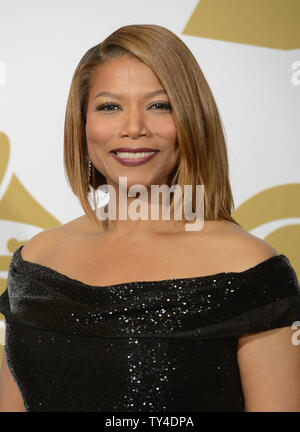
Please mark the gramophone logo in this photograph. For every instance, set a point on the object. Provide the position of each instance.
(275, 212)
(268, 23)
(272, 214)
(21, 216)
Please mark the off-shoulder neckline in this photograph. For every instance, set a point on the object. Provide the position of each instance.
(54, 273)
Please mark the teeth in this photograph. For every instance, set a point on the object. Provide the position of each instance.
(133, 155)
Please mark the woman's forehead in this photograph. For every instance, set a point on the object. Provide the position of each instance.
(121, 77)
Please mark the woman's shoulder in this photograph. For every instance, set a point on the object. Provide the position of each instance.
(37, 248)
(248, 250)
(231, 248)
(46, 242)
(238, 249)
(51, 240)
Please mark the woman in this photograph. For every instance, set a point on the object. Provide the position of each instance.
(144, 315)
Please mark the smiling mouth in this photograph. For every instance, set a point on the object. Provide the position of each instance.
(134, 155)
(133, 158)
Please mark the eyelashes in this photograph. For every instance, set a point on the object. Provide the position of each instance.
(162, 105)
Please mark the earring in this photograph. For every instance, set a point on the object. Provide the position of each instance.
(89, 168)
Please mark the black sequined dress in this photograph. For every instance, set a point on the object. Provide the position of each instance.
(168, 345)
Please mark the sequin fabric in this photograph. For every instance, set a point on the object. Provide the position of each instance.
(153, 346)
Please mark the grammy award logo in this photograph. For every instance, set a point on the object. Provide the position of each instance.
(21, 216)
(269, 23)
(274, 215)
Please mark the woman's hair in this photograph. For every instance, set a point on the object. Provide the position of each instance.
(203, 156)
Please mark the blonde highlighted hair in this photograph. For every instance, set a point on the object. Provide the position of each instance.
(203, 156)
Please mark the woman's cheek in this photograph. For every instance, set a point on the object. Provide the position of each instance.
(97, 132)
(167, 130)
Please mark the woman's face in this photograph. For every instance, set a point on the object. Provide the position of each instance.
(130, 118)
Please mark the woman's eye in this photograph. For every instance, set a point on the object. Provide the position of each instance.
(103, 107)
(161, 105)
(111, 106)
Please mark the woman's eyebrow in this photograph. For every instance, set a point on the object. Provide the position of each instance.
(118, 96)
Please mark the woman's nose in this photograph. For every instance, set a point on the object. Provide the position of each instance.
(134, 123)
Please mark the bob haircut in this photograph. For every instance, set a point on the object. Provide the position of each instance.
(203, 156)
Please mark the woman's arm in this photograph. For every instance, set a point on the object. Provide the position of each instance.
(10, 396)
(269, 365)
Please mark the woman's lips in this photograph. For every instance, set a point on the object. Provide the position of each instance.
(135, 161)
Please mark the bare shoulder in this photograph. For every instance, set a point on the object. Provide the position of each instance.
(39, 245)
(240, 249)
(47, 244)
